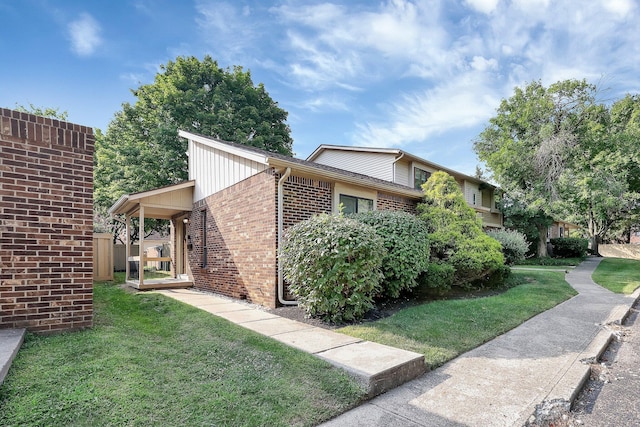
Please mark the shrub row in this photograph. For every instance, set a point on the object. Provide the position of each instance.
(337, 266)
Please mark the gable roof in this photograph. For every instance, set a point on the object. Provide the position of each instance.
(168, 201)
(396, 152)
(277, 160)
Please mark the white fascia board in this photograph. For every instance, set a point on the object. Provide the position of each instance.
(224, 147)
(336, 176)
(324, 147)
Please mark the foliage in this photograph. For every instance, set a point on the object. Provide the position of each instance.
(618, 275)
(455, 231)
(514, 244)
(151, 360)
(560, 152)
(333, 266)
(438, 277)
(406, 240)
(531, 222)
(141, 149)
(52, 113)
(569, 247)
(441, 330)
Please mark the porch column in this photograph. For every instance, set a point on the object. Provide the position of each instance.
(141, 247)
(127, 248)
(172, 248)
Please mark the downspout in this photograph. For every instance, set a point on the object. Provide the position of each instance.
(281, 181)
(393, 179)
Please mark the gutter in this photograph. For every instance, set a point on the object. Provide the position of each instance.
(394, 165)
(281, 181)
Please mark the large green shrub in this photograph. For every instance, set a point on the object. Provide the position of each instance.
(569, 247)
(406, 240)
(514, 244)
(455, 231)
(438, 277)
(333, 266)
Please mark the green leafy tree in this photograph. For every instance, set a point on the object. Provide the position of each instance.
(52, 113)
(556, 151)
(141, 149)
(455, 231)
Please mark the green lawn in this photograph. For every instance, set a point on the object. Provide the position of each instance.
(618, 275)
(150, 360)
(441, 330)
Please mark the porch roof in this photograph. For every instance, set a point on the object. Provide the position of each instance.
(159, 203)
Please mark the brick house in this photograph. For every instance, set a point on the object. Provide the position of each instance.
(46, 223)
(241, 199)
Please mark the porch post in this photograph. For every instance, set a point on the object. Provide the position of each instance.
(141, 247)
(127, 249)
(172, 248)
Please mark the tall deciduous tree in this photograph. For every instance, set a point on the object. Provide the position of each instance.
(141, 148)
(557, 151)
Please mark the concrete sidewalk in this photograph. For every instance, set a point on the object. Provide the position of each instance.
(537, 365)
(376, 367)
(10, 342)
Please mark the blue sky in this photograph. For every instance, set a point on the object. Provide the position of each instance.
(423, 76)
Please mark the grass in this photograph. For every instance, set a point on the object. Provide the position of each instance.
(548, 261)
(150, 360)
(441, 330)
(619, 275)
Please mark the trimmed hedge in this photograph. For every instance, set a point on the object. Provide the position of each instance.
(333, 266)
(406, 239)
(569, 247)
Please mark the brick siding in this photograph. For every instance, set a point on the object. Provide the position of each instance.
(304, 197)
(46, 223)
(241, 239)
(388, 202)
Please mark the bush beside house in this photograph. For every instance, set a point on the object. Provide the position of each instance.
(569, 247)
(514, 244)
(333, 265)
(406, 240)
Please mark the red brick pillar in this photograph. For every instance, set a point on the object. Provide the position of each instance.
(46, 223)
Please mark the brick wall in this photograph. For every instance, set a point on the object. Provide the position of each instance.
(241, 235)
(304, 197)
(46, 223)
(388, 202)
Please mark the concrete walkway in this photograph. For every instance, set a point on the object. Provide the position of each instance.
(377, 367)
(10, 342)
(504, 381)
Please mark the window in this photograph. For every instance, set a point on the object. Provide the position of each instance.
(351, 204)
(561, 231)
(203, 261)
(474, 198)
(420, 176)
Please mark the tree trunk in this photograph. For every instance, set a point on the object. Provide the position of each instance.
(595, 242)
(542, 241)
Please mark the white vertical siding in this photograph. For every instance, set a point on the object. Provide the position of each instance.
(377, 165)
(214, 170)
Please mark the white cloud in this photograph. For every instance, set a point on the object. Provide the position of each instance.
(467, 101)
(480, 63)
(621, 8)
(484, 6)
(85, 35)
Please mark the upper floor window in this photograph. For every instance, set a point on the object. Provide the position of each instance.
(351, 204)
(420, 176)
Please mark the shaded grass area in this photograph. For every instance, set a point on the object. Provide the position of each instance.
(548, 261)
(619, 275)
(150, 360)
(441, 330)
